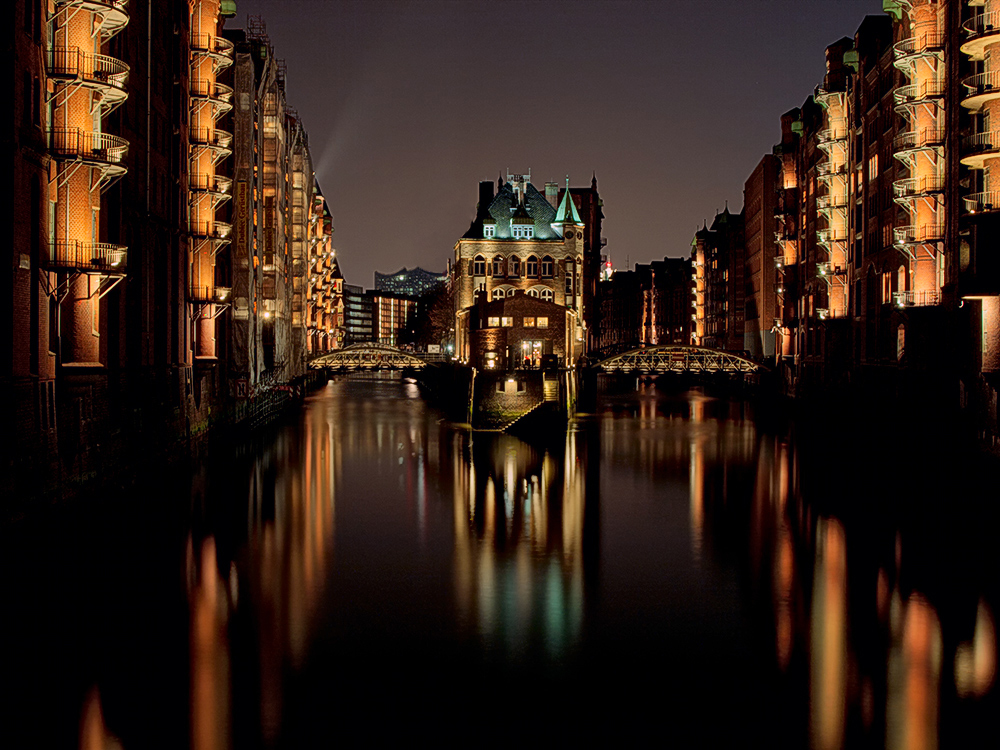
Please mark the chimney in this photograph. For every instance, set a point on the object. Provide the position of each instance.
(485, 198)
(552, 193)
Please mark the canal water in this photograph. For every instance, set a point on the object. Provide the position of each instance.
(675, 568)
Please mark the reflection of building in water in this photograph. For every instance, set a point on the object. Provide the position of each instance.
(914, 675)
(290, 529)
(94, 734)
(210, 601)
(828, 641)
(520, 538)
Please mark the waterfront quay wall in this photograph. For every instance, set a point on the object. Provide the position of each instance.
(109, 428)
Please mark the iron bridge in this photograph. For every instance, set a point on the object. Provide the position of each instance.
(366, 357)
(688, 359)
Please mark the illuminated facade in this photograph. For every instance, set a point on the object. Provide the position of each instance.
(718, 254)
(537, 243)
(327, 316)
(154, 163)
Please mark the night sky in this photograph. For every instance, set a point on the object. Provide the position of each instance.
(672, 103)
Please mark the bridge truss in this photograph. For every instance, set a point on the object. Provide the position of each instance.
(367, 357)
(658, 360)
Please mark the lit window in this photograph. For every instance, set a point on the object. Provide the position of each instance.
(542, 322)
(507, 322)
(529, 322)
(523, 231)
(489, 230)
(498, 265)
(493, 321)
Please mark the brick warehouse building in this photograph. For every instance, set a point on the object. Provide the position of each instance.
(522, 240)
(121, 310)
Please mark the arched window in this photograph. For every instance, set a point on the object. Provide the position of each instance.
(533, 291)
(569, 277)
(531, 267)
(901, 279)
(510, 292)
(515, 266)
(498, 266)
(499, 293)
(479, 266)
(548, 267)
(547, 294)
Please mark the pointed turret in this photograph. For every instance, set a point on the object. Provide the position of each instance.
(567, 213)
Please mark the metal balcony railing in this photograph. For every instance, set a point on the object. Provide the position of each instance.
(98, 148)
(980, 31)
(209, 294)
(925, 298)
(928, 43)
(980, 88)
(72, 63)
(112, 15)
(828, 168)
(211, 183)
(919, 92)
(911, 140)
(88, 257)
(219, 94)
(826, 236)
(981, 143)
(831, 135)
(218, 48)
(914, 235)
(916, 186)
(831, 201)
(214, 230)
(215, 138)
(982, 202)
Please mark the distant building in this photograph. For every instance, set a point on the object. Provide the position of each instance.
(358, 316)
(650, 306)
(415, 282)
(719, 256)
(394, 317)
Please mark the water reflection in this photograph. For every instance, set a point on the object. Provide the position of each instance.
(363, 567)
(519, 517)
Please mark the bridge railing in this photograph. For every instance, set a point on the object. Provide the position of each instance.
(678, 359)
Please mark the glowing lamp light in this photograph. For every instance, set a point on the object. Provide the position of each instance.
(267, 315)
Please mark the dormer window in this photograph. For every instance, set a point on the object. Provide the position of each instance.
(489, 231)
(522, 231)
